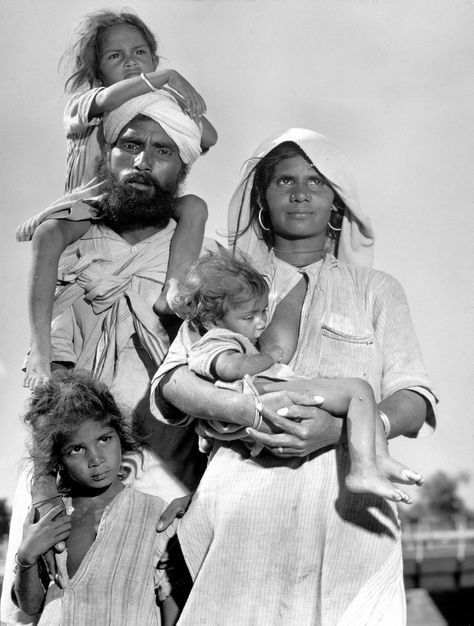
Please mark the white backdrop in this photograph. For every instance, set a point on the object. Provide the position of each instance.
(388, 81)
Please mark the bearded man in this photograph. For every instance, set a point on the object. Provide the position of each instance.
(109, 279)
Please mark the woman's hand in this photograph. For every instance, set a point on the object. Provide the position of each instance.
(299, 426)
(41, 536)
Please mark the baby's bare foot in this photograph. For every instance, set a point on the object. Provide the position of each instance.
(370, 480)
(397, 472)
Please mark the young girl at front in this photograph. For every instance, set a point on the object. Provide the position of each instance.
(116, 561)
(115, 59)
(224, 301)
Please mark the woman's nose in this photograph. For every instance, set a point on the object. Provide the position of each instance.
(300, 194)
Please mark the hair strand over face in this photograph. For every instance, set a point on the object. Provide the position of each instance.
(85, 53)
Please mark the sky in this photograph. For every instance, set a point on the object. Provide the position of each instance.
(389, 81)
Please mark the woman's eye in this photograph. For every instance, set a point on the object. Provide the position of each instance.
(114, 55)
(317, 182)
(106, 438)
(285, 181)
(141, 51)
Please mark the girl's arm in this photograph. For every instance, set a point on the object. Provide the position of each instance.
(38, 538)
(49, 241)
(232, 365)
(113, 96)
(191, 215)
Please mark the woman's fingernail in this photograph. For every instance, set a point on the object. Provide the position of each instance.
(318, 399)
(283, 411)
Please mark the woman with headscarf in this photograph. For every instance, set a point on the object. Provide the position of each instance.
(278, 539)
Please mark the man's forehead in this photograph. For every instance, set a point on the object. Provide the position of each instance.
(142, 127)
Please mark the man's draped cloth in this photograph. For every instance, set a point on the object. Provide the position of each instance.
(110, 285)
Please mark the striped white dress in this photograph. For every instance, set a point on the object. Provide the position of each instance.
(277, 543)
(116, 582)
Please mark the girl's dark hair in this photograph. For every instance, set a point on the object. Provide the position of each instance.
(263, 174)
(85, 53)
(215, 281)
(59, 407)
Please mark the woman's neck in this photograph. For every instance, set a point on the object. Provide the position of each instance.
(299, 252)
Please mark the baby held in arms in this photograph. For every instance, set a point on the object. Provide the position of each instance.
(224, 301)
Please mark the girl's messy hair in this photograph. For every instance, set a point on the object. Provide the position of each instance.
(59, 406)
(263, 171)
(214, 283)
(84, 54)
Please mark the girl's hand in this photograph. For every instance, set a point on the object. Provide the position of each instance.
(41, 536)
(188, 98)
(299, 426)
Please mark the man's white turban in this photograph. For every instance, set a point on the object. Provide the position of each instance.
(163, 109)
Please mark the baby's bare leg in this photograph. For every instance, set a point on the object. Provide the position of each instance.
(370, 472)
(365, 476)
(390, 467)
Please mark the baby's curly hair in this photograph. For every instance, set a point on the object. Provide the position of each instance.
(214, 283)
(58, 407)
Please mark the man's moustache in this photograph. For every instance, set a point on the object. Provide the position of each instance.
(143, 179)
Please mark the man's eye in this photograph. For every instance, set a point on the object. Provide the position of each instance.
(165, 151)
(131, 147)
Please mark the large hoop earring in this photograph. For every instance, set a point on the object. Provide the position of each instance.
(260, 221)
(335, 230)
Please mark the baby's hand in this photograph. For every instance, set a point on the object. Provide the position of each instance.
(275, 352)
(38, 370)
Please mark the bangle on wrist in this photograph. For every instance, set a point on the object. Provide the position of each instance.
(23, 565)
(248, 384)
(257, 420)
(385, 422)
(147, 82)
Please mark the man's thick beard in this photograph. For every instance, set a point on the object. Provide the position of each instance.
(126, 208)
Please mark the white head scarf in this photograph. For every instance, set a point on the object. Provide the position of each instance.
(356, 238)
(162, 108)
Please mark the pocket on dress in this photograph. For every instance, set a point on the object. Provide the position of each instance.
(346, 354)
